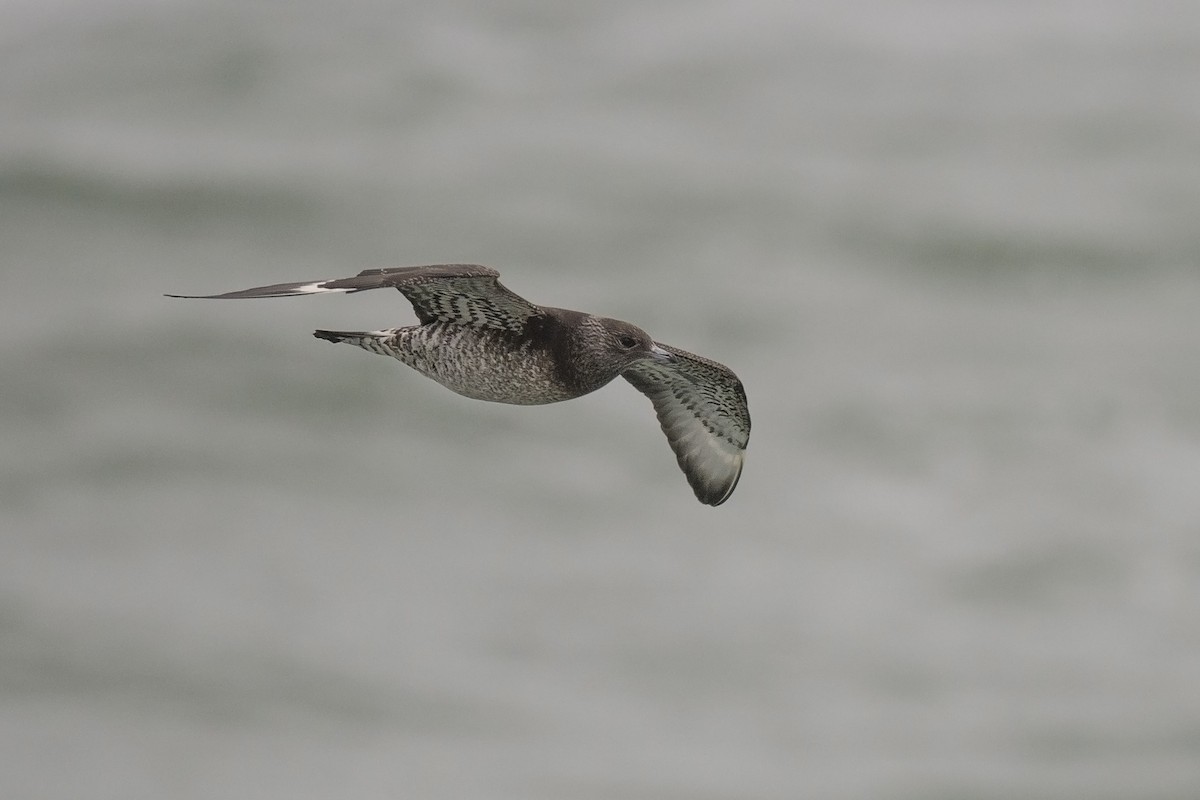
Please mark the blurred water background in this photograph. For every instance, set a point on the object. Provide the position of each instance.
(951, 248)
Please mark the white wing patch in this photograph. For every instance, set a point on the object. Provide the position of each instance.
(317, 287)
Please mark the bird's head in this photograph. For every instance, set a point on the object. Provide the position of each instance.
(621, 344)
(602, 348)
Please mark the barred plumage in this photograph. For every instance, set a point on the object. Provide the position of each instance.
(482, 341)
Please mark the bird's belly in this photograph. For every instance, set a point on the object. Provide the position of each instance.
(525, 389)
(482, 367)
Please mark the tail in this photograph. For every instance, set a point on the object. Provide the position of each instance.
(341, 336)
(375, 341)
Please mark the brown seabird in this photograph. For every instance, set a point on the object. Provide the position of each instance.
(481, 340)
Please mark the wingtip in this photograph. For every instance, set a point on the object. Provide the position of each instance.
(716, 495)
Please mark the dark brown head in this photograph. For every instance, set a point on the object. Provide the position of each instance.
(604, 347)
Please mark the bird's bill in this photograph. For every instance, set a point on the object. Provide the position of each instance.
(660, 354)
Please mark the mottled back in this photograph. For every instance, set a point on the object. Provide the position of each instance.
(463, 294)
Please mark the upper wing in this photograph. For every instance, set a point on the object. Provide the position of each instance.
(702, 409)
(467, 294)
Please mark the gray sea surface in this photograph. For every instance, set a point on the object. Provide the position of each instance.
(952, 249)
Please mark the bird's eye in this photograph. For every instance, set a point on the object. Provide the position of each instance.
(628, 342)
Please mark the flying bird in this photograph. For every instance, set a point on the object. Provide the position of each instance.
(480, 340)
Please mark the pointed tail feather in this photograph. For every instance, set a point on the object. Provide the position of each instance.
(340, 336)
(374, 341)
